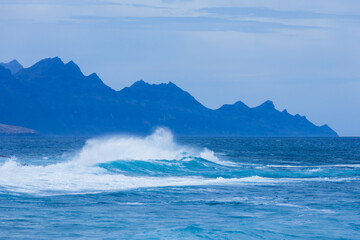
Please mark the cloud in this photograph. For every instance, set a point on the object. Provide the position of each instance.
(194, 15)
(271, 13)
(208, 24)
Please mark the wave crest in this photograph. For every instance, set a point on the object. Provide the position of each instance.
(125, 162)
(158, 146)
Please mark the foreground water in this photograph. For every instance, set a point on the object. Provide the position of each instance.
(189, 188)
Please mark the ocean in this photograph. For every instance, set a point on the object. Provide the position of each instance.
(166, 187)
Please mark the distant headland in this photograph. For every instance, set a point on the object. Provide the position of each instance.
(16, 130)
(55, 98)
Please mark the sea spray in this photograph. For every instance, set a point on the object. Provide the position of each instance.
(82, 173)
(158, 146)
(125, 162)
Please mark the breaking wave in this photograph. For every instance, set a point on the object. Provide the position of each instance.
(127, 162)
(158, 146)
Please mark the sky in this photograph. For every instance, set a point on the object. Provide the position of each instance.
(303, 55)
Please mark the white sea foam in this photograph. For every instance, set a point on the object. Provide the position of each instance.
(81, 174)
(286, 166)
(315, 170)
(316, 166)
(344, 165)
(158, 146)
(72, 178)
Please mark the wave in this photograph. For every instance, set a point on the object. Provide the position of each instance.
(62, 179)
(70, 179)
(126, 162)
(316, 166)
(86, 171)
(158, 146)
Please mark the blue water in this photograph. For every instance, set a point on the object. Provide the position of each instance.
(158, 187)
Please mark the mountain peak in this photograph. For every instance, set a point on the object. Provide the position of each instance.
(73, 67)
(155, 93)
(48, 64)
(15, 62)
(267, 105)
(240, 104)
(172, 85)
(71, 63)
(140, 83)
(54, 60)
(51, 67)
(14, 66)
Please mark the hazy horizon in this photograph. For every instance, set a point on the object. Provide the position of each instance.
(303, 56)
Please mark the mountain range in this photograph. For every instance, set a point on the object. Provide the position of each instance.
(14, 66)
(57, 98)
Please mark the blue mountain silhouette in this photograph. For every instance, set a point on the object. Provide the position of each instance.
(57, 98)
(14, 66)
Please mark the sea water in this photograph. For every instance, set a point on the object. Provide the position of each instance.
(161, 187)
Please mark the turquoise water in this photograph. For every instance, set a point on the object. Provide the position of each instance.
(158, 187)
